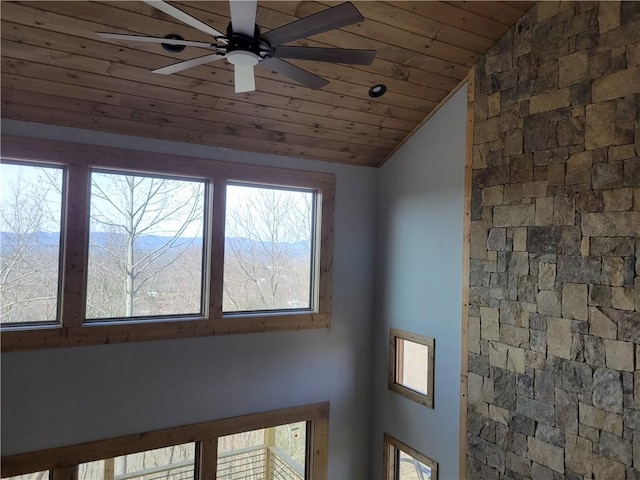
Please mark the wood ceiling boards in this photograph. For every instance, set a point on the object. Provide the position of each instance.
(55, 70)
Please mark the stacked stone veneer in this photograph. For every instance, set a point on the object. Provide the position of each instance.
(554, 325)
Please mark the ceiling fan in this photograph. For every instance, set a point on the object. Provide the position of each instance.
(244, 46)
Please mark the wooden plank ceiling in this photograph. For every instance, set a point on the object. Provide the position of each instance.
(55, 70)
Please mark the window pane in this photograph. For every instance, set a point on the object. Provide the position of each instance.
(268, 249)
(415, 362)
(251, 455)
(170, 463)
(30, 226)
(412, 469)
(145, 246)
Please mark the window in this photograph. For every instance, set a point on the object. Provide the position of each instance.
(30, 230)
(411, 359)
(283, 444)
(269, 242)
(115, 246)
(402, 462)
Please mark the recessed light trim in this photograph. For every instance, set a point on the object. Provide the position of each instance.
(377, 90)
(171, 48)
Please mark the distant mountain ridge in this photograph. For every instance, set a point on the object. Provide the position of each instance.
(151, 242)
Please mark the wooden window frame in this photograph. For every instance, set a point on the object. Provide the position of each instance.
(395, 367)
(392, 447)
(64, 461)
(78, 159)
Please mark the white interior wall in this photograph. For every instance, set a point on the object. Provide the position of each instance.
(71, 395)
(419, 287)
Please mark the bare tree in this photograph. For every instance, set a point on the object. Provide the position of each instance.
(126, 211)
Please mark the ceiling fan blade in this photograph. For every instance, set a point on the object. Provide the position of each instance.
(184, 17)
(194, 62)
(243, 78)
(298, 74)
(329, 19)
(243, 16)
(333, 55)
(143, 38)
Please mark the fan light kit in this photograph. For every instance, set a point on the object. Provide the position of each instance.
(245, 47)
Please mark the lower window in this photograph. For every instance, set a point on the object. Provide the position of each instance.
(295, 449)
(402, 462)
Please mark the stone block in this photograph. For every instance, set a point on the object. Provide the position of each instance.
(632, 168)
(549, 303)
(574, 301)
(608, 16)
(572, 241)
(622, 298)
(615, 448)
(564, 207)
(613, 271)
(607, 175)
(546, 276)
(474, 334)
(620, 355)
(487, 130)
(618, 200)
(478, 247)
(577, 377)
(538, 411)
(497, 63)
(521, 424)
(600, 325)
(543, 239)
(559, 337)
(578, 269)
(489, 323)
(589, 202)
(499, 415)
(600, 419)
(600, 125)
(579, 168)
(578, 455)
(621, 152)
(536, 132)
(504, 388)
(611, 224)
(520, 239)
(514, 336)
(618, 84)
(606, 469)
(607, 390)
(538, 341)
(544, 211)
(534, 189)
(497, 239)
(573, 68)
(513, 142)
(494, 105)
(618, 246)
(566, 411)
(514, 215)
(544, 453)
(594, 352)
(555, 174)
(492, 195)
(521, 168)
(550, 101)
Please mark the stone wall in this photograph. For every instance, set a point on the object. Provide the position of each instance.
(554, 325)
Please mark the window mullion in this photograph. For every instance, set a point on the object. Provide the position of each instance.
(216, 264)
(208, 459)
(76, 219)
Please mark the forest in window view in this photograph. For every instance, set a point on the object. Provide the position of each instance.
(146, 254)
